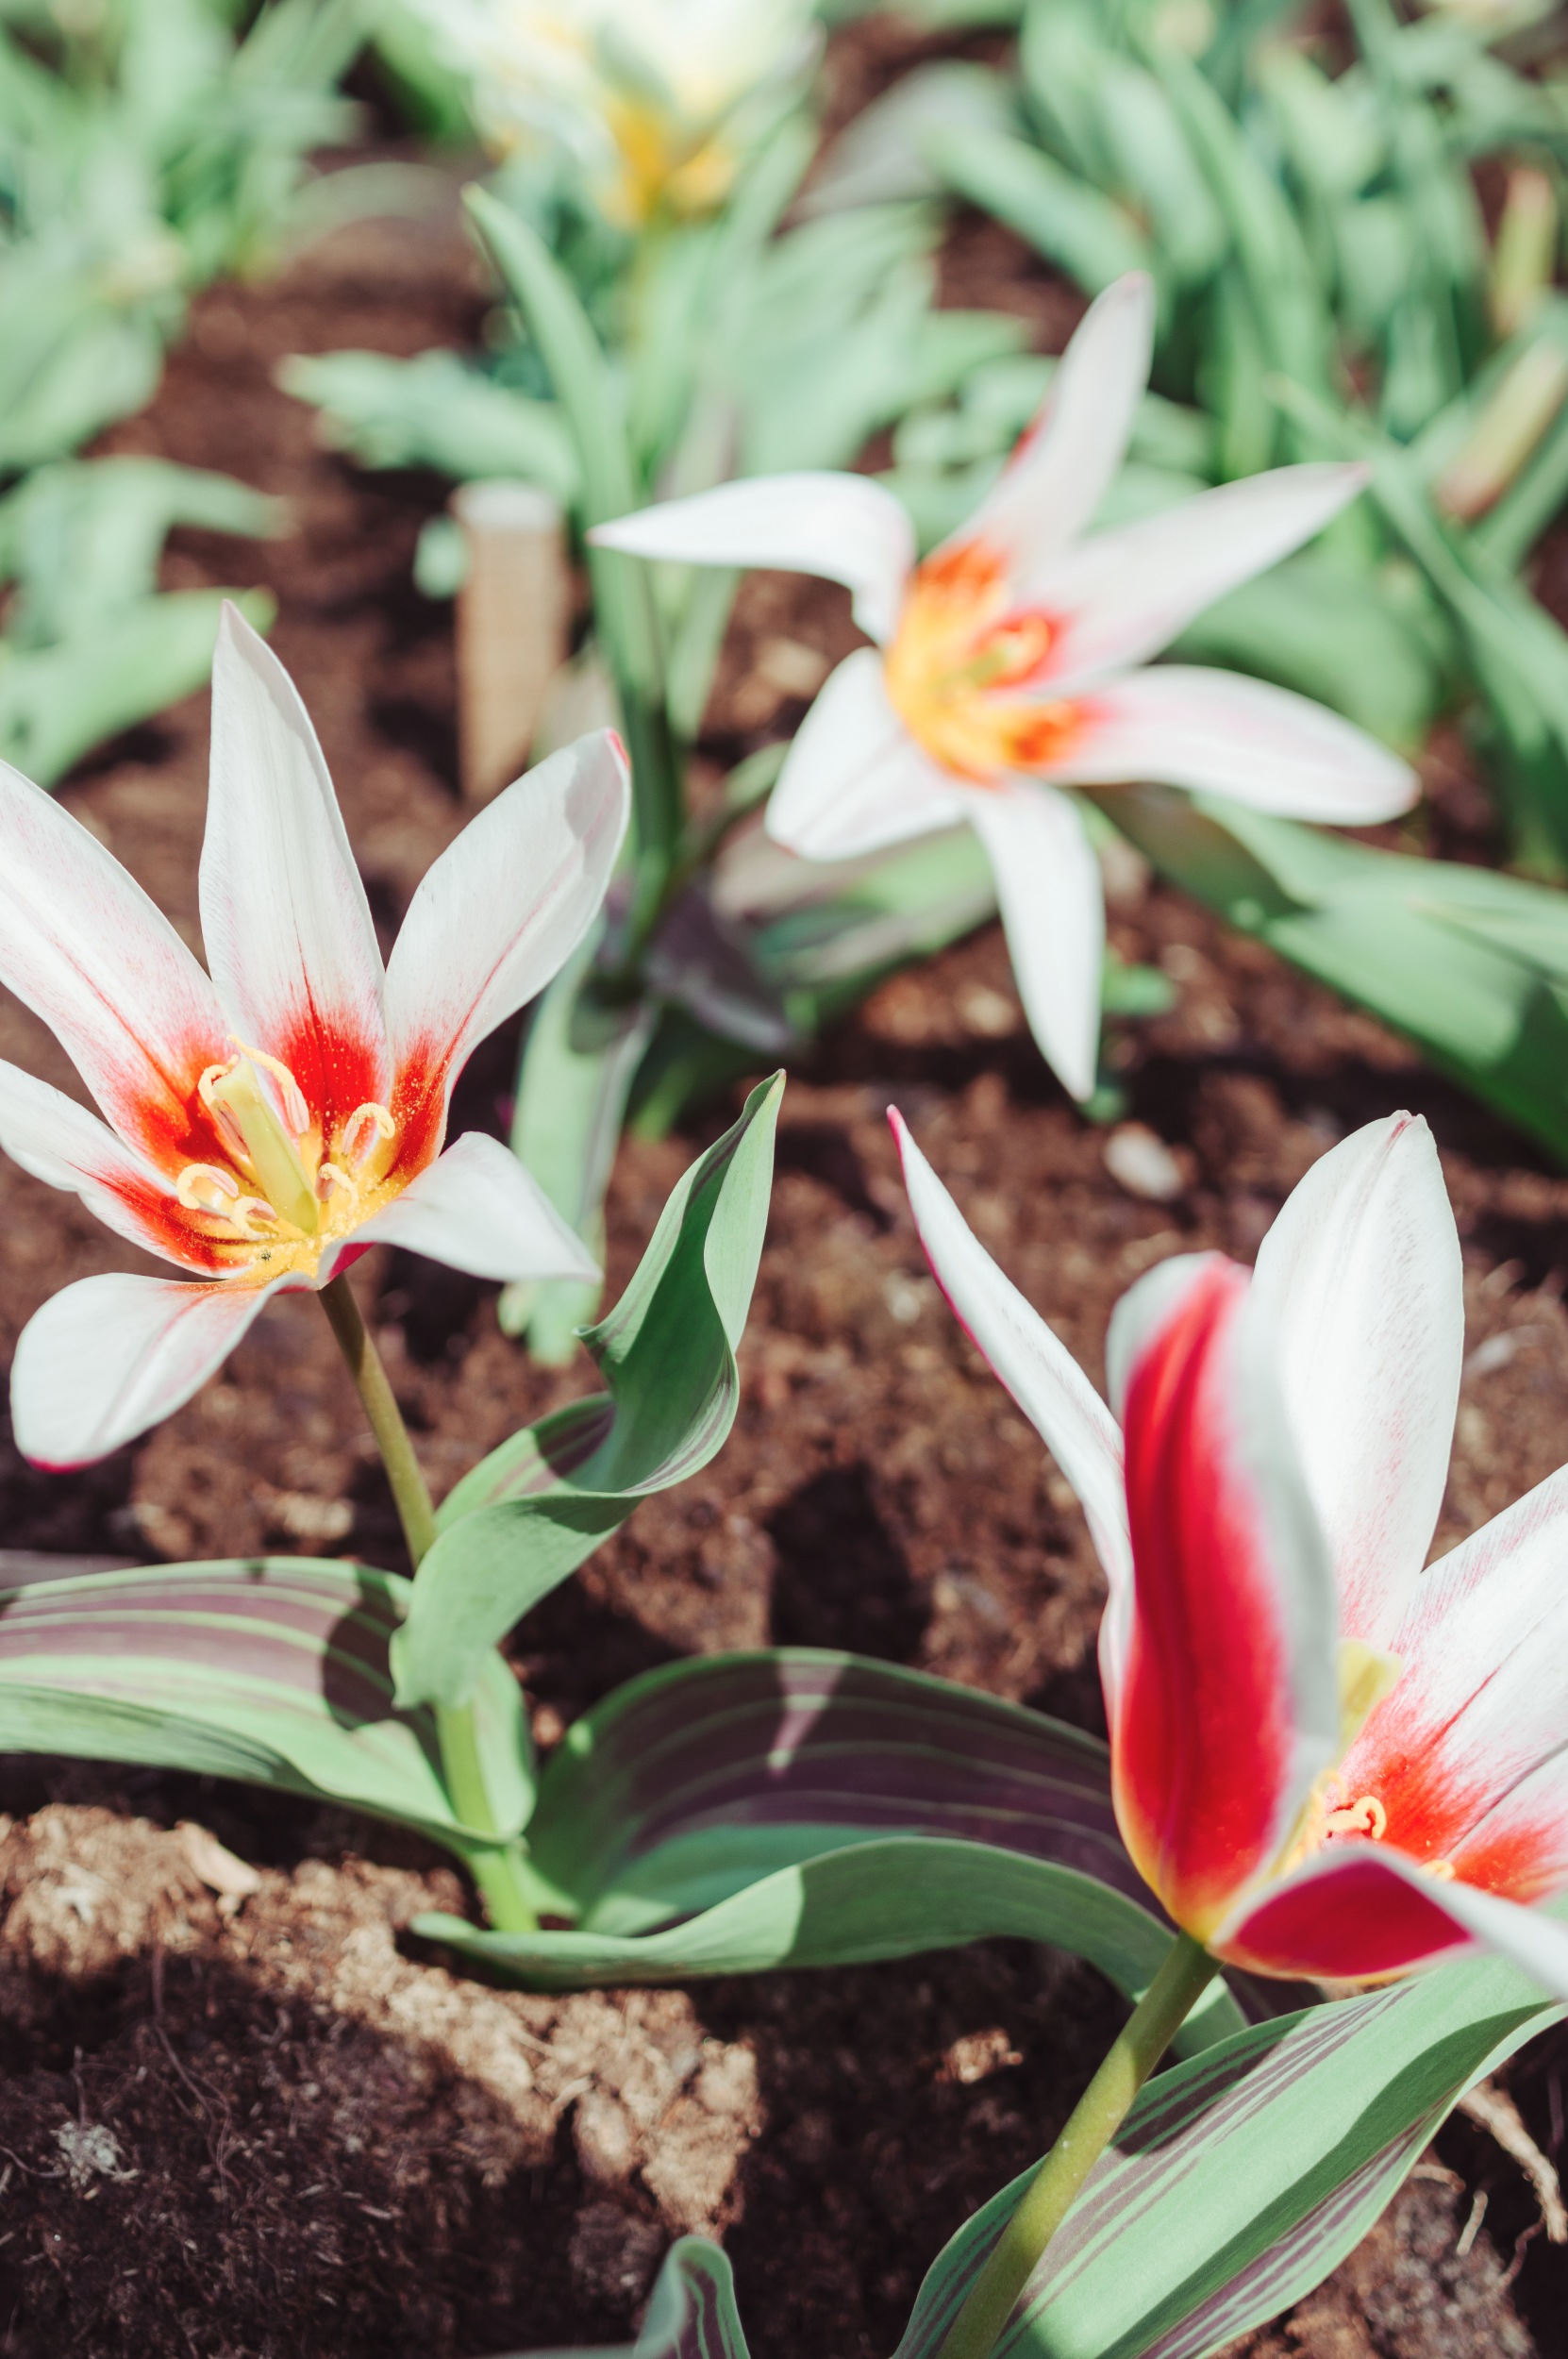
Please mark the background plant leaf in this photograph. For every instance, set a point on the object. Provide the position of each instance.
(804, 1808)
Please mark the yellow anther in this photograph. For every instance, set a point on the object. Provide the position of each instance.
(296, 1113)
(350, 1145)
(1365, 1815)
(1442, 1868)
(197, 1176)
(251, 1207)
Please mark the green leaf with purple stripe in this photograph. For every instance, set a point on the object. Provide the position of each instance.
(273, 1670)
(527, 1516)
(690, 2314)
(802, 1808)
(1240, 2179)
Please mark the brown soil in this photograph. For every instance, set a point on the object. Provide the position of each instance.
(269, 2126)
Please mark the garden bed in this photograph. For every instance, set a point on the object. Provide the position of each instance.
(265, 2126)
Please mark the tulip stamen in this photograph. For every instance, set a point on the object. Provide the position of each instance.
(331, 1179)
(1365, 1815)
(351, 1146)
(195, 1177)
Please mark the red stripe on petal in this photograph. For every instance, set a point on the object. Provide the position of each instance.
(1352, 1922)
(1204, 1743)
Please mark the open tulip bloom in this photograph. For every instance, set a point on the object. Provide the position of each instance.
(1012, 662)
(1326, 1762)
(266, 1124)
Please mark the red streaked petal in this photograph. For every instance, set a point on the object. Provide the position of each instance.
(1519, 1848)
(59, 1142)
(1348, 1915)
(1229, 1705)
(1218, 733)
(854, 779)
(84, 948)
(284, 915)
(108, 1357)
(1359, 1911)
(1122, 596)
(1361, 1274)
(493, 919)
(1058, 474)
(476, 1208)
(1483, 1704)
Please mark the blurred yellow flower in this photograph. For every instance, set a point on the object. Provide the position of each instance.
(655, 103)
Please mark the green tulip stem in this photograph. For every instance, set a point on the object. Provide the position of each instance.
(1187, 1971)
(494, 1867)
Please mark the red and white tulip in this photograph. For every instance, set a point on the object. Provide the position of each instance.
(265, 1124)
(1326, 1762)
(1013, 663)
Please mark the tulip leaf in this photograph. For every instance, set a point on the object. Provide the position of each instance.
(1469, 963)
(804, 1808)
(690, 2312)
(271, 1669)
(434, 410)
(528, 1515)
(1250, 2171)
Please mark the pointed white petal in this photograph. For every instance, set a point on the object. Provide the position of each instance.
(843, 527)
(854, 779)
(1361, 1273)
(107, 1357)
(285, 919)
(1053, 914)
(1059, 471)
(476, 1209)
(1120, 596)
(1482, 1706)
(498, 914)
(1360, 1276)
(59, 1142)
(84, 948)
(1037, 1368)
(1216, 732)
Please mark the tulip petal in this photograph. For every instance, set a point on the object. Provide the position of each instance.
(1465, 1754)
(110, 1356)
(1038, 1370)
(60, 1143)
(285, 919)
(1061, 471)
(845, 527)
(495, 918)
(1228, 1704)
(1359, 1910)
(476, 1209)
(1361, 1275)
(1216, 732)
(1120, 596)
(84, 948)
(1053, 914)
(854, 779)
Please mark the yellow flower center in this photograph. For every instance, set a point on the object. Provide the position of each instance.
(958, 649)
(282, 1197)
